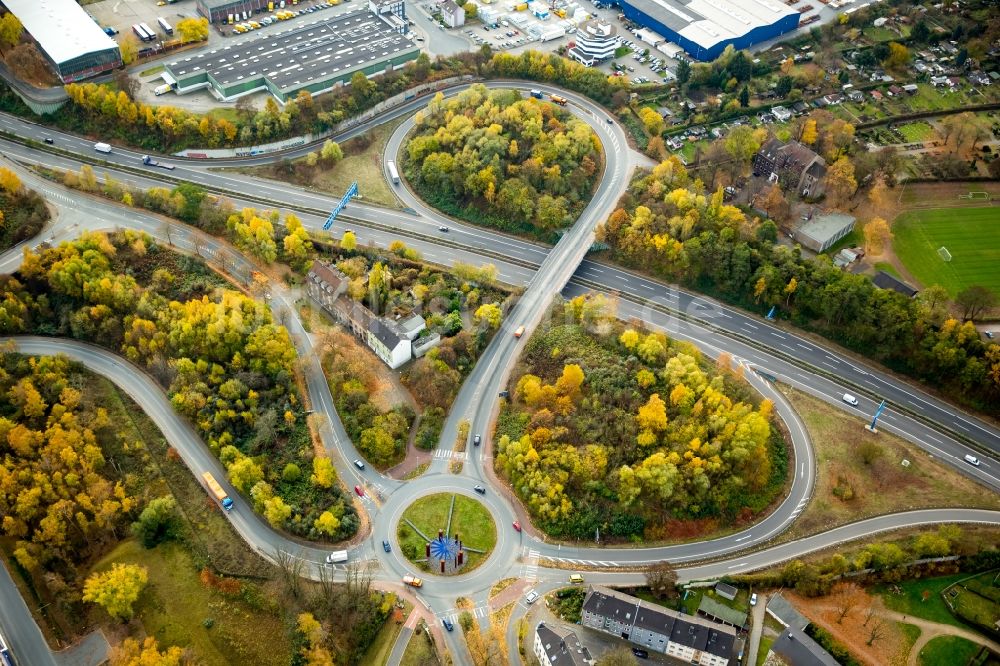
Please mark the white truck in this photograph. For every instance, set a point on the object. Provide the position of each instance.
(102, 147)
(159, 90)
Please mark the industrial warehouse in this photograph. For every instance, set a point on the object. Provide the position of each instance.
(704, 28)
(74, 46)
(315, 57)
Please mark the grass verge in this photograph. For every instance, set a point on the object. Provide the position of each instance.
(947, 651)
(763, 649)
(380, 649)
(419, 651)
(470, 520)
(861, 475)
(362, 163)
(971, 235)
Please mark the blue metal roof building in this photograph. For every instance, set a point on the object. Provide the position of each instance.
(704, 28)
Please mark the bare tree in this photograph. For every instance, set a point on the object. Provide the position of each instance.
(876, 631)
(845, 596)
(662, 580)
(291, 572)
(869, 614)
(166, 229)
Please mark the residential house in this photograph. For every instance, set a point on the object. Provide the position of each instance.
(895, 91)
(877, 96)
(693, 639)
(939, 81)
(911, 88)
(781, 113)
(556, 646)
(856, 95)
(979, 78)
(452, 14)
(327, 286)
(791, 164)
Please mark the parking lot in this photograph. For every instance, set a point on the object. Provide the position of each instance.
(122, 15)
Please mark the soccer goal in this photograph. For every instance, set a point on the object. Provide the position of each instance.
(944, 253)
(983, 196)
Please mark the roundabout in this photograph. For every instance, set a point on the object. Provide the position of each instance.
(446, 533)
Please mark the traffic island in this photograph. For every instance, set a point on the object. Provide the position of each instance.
(446, 534)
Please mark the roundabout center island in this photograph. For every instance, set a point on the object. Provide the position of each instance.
(446, 533)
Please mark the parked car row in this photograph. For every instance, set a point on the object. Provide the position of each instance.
(282, 15)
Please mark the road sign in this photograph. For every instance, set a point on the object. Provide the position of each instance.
(878, 412)
(352, 191)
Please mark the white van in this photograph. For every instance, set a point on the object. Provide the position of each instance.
(972, 460)
(850, 399)
(102, 147)
(336, 557)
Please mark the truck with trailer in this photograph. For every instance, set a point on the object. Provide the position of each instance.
(161, 89)
(102, 147)
(221, 495)
(149, 161)
(392, 172)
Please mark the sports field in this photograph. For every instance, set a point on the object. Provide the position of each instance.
(971, 235)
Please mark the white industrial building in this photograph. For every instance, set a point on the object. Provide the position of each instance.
(546, 32)
(596, 41)
(73, 44)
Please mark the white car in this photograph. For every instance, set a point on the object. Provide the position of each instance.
(753, 599)
(531, 597)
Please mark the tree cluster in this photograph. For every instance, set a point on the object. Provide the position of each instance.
(624, 430)
(519, 164)
(225, 364)
(668, 225)
(23, 212)
(58, 498)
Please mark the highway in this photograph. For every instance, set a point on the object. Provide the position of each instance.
(545, 272)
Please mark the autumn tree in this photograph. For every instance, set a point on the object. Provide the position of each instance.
(116, 590)
(129, 46)
(877, 236)
(10, 30)
(348, 242)
(651, 120)
(254, 234)
(775, 204)
(661, 578)
(331, 152)
(898, 56)
(489, 313)
(840, 182)
(192, 29)
(132, 653)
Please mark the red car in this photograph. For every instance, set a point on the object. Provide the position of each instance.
(517, 525)
(359, 491)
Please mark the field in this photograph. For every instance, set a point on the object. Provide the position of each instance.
(911, 601)
(972, 236)
(917, 132)
(947, 651)
(178, 609)
(470, 520)
(848, 488)
(419, 651)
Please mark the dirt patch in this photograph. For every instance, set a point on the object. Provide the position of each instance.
(939, 195)
(384, 388)
(30, 66)
(861, 475)
(891, 645)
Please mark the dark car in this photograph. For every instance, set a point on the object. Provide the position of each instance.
(639, 652)
(504, 394)
(610, 122)
(48, 140)
(385, 546)
(480, 490)
(447, 624)
(477, 440)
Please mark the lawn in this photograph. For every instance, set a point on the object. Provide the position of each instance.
(854, 239)
(419, 651)
(765, 647)
(470, 520)
(947, 651)
(917, 132)
(971, 235)
(911, 600)
(178, 609)
(878, 487)
(888, 268)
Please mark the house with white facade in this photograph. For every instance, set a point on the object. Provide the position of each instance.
(693, 639)
(556, 646)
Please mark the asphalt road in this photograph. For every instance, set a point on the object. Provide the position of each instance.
(546, 272)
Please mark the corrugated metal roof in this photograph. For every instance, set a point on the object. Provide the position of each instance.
(61, 27)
